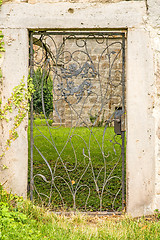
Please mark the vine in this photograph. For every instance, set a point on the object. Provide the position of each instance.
(19, 101)
(1, 44)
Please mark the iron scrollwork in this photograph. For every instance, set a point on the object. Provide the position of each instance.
(87, 76)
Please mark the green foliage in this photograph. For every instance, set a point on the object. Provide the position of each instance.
(20, 219)
(96, 119)
(42, 122)
(157, 214)
(19, 102)
(1, 48)
(15, 224)
(60, 136)
(41, 80)
(1, 44)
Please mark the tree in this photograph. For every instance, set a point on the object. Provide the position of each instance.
(43, 95)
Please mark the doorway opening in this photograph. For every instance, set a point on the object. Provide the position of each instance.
(77, 120)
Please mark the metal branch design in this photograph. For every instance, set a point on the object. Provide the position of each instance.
(86, 171)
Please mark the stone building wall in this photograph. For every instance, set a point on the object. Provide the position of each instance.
(97, 97)
(87, 77)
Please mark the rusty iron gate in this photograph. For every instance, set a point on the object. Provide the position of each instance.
(77, 120)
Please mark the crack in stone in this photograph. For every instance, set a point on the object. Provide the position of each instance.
(146, 6)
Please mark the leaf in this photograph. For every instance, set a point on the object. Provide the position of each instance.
(73, 182)
(144, 227)
(4, 167)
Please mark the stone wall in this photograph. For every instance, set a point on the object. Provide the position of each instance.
(87, 77)
(153, 26)
(71, 1)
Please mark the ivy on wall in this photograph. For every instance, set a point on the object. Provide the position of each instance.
(1, 49)
(17, 102)
(1, 43)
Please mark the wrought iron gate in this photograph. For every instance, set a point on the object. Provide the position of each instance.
(77, 116)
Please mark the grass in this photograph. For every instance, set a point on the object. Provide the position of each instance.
(67, 151)
(20, 219)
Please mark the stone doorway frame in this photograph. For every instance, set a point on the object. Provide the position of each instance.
(17, 19)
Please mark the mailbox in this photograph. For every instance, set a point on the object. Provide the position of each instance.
(117, 120)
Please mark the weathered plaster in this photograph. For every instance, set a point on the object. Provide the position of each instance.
(152, 20)
(154, 12)
(154, 33)
(140, 136)
(85, 15)
(72, 1)
(14, 67)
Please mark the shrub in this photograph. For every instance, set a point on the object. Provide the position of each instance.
(43, 85)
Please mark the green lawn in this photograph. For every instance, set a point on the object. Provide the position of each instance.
(81, 167)
(21, 219)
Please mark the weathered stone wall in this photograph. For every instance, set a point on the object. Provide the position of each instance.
(87, 79)
(87, 74)
(13, 65)
(153, 26)
(103, 96)
(71, 1)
